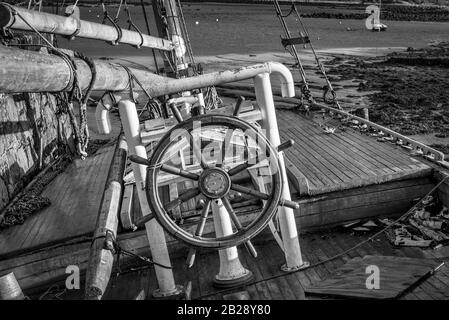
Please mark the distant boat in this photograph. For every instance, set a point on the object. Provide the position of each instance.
(376, 25)
(379, 27)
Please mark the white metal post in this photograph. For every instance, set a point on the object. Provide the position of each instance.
(102, 113)
(292, 249)
(232, 272)
(155, 233)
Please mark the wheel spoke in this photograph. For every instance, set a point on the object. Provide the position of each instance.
(251, 192)
(225, 146)
(249, 246)
(231, 212)
(203, 218)
(179, 172)
(247, 164)
(199, 232)
(197, 151)
(254, 160)
(182, 198)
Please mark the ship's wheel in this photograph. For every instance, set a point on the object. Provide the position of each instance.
(220, 149)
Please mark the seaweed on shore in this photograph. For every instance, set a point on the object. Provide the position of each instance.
(410, 89)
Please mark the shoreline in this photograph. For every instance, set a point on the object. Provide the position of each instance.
(343, 10)
(362, 77)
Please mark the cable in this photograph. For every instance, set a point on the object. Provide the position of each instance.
(305, 90)
(186, 35)
(338, 255)
(320, 65)
(149, 33)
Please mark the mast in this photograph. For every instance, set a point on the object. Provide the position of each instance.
(169, 27)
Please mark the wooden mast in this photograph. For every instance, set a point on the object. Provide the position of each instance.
(18, 18)
(169, 27)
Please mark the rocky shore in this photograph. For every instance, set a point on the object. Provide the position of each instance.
(408, 90)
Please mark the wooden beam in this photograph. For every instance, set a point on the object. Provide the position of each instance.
(29, 71)
(18, 18)
(127, 207)
(101, 257)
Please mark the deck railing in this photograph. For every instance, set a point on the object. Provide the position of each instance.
(415, 146)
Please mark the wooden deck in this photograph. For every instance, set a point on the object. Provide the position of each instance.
(75, 199)
(344, 160)
(350, 176)
(270, 282)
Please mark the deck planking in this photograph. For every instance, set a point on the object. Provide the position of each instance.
(338, 162)
(344, 160)
(320, 246)
(75, 197)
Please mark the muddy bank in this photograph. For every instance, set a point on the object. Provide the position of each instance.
(411, 93)
(392, 13)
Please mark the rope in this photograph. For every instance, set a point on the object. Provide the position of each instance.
(149, 33)
(81, 132)
(338, 255)
(78, 23)
(151, 104)
(84, 100)
(107, 17)
(111, 244)
(118, 10)
(211, 98)
(186, 35)
(75, 93)
(131, 24)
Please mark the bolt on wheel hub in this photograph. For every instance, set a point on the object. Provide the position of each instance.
(214, 183)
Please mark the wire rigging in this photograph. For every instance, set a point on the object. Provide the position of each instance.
(329, 95)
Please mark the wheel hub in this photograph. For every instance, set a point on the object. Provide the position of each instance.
(214, 183)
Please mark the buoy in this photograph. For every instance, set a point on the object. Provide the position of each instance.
(196, 22)
(216, 20)
(9, 288)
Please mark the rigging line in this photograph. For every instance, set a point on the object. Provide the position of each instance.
(338, 255)
(167, 58)
(118, 10)
(81, 142)
(294, 53)
(107, 17)
(75, 4)
(132, 25)
(149, 33)
(186, 33)
(178, 32)
(320, 65)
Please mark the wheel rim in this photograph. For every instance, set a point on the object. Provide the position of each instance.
(213, 183)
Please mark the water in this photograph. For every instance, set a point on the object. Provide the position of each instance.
(243, 28)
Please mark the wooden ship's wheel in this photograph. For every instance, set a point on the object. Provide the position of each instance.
(218, 152)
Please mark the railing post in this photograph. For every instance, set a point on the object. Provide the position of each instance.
(102, 110)
(292, 250)
(155, 233)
